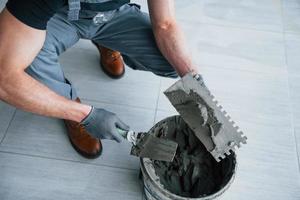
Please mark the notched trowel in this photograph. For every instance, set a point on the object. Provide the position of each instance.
(148, 146)
(200, 110)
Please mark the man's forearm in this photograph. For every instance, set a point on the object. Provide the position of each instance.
(171, 42)
(19, 45)
(24, 92)
(169, 36)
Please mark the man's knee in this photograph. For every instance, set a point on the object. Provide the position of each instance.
(169, 73)
(160, 67)
(46, 70)
(173, 74)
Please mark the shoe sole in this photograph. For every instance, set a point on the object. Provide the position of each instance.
(113, 76)
(85, 154)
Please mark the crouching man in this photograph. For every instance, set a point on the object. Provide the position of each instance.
(33, 33)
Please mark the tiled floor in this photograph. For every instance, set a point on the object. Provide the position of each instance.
(249, 54)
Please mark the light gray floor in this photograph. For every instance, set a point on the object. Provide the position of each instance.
(249, 54)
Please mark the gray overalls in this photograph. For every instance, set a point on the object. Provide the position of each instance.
(114, 24)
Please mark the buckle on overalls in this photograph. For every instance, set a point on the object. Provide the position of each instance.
(103, 17)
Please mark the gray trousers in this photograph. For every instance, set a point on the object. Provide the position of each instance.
(129, 32)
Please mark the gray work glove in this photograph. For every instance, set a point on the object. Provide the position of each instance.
(103, 124)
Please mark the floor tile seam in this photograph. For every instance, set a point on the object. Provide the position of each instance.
(9, 124)
(293, 125)
(232, 26)
(117, 104)
(284, 6)
(289, 94)
(157, 101)
(293, 32)
(297, 34)
(284, 30)
(234, 108)
(65, 160)
(282, 22)
(295, 8)
(227, 67)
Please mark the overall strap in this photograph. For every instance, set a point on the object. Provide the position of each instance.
(74, 8)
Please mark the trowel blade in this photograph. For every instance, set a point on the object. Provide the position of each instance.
(149, 146)
(198, 107)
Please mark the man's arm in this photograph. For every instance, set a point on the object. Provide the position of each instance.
(169, 37)
(19, 45)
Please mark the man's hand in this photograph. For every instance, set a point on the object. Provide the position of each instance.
(169, 36)
(103, 124)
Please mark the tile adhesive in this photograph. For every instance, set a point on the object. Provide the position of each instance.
(194, 173)
(204, 133)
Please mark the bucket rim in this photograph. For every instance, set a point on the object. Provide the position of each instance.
(148, 170)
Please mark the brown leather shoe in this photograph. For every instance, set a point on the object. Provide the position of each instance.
(85, 144)
(111, 62)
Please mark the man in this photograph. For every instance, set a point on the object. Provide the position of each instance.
(33, 33)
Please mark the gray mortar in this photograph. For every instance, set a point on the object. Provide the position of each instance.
(200, 110)
(194, 172)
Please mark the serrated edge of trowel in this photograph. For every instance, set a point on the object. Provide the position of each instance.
(226, 121)
(232, 145)
(220, 151)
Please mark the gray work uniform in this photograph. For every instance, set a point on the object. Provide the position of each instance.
(128, 31)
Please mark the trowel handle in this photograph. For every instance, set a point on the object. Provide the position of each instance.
(128, 135)
(123, 133)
